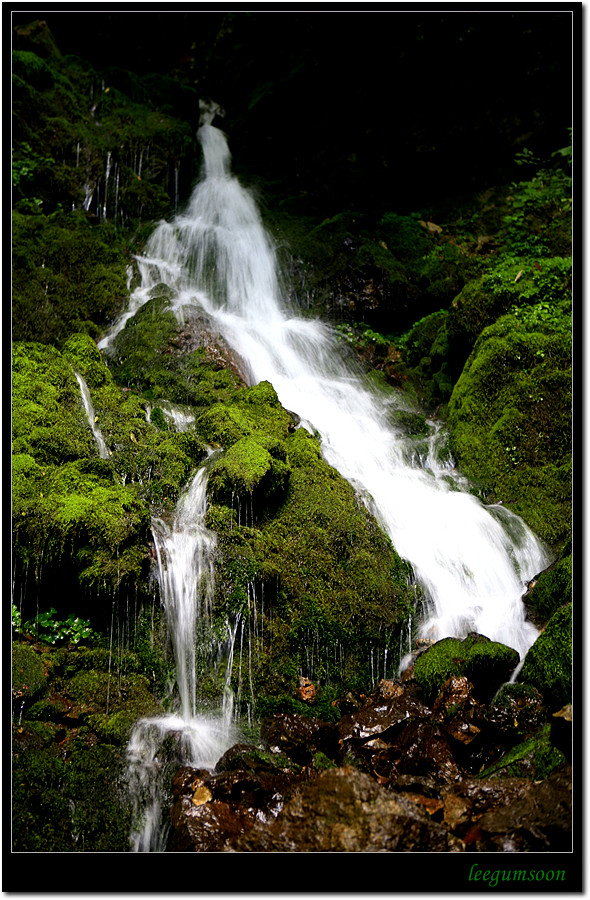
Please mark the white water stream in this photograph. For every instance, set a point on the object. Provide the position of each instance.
(472, 561)
(184, 552)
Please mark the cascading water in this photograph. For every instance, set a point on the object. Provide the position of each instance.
(471, 560)
(185, 573)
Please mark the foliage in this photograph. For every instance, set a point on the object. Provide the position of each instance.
(47, 629)
(67, 276)
(69, 790)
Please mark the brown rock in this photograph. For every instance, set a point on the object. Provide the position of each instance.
(306, 691)
(344, 810)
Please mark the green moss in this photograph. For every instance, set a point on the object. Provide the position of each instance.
(534, 758)
(29, 674)
(67, 277)
(69, 786)
(248, 468)
(485, 663)
(552, 589)
(548, 663)
(510, 422)
(316, 583)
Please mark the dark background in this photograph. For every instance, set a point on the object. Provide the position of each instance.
(360, 108)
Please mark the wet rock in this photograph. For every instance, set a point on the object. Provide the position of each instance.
(516, 711)
(510, 814)
(343, 810)
(540, 821)
(211, 808)
(423, 749)
(299, 737)
(387, 689)
(466, 802)
(205, 827)
(456, 693)
(349, 703)
(382, 717)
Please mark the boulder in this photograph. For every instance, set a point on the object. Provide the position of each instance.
(487, 664)
(299, 737)
(343, 810)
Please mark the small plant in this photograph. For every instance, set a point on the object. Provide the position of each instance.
(50, 630)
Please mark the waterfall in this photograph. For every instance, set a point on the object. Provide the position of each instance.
(184, 552)
(472, 561)
(103, 450)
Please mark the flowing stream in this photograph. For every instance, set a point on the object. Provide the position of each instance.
(472, 561)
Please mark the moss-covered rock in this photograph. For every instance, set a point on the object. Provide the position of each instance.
(550, 591)
(29, 674)
(510, 421)
(69, 783)
(84, 516)
(548, 663)
(317, 586)
(534, 758)
(487, 664)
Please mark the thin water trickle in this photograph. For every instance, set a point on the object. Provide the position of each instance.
(103, 450)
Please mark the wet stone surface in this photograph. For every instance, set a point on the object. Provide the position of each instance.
(393, 774)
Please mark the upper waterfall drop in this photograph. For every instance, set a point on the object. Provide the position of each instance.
(472, 561)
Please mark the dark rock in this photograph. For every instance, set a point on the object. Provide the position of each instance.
(205, 825)
(382, 717)
(423, 749)
(540, 821)
(516, 711)
(511, 814)
(466, 802)
(343, 810)
(299, 737)
(209, 809)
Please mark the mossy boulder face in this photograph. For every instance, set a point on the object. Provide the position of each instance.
(487, 664)
(29, 674)
(510, 421)
(313, 585)
(161, 358)
(534, 758)
(548, 663)
(550, 591)
(249, 469)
